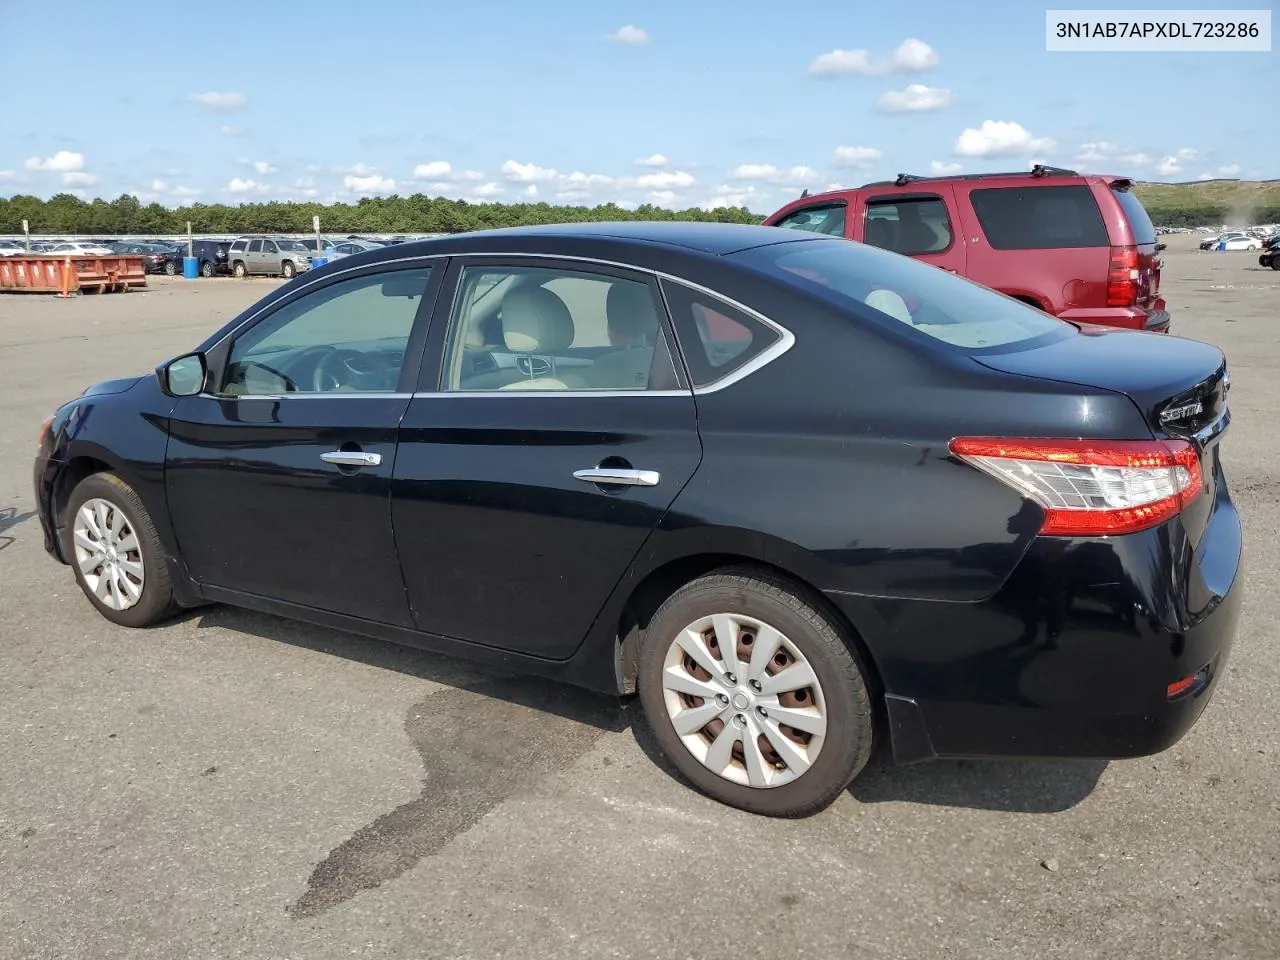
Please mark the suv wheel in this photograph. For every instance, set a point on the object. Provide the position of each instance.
(287, 269)
(206, 269)
(754, 695)
(169, 268)
(238, 269)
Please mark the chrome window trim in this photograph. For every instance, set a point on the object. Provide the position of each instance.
(786, 339)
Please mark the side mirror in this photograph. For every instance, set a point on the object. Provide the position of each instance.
(183, 376)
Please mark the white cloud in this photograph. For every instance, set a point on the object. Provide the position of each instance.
(1136, 159)
(662, 198)
(1001, 138)
(1098, 152)
(527, 172)
(237, 185)
(572, 196)
(1230, 170)
(627, 204)
(577, 179)
(632, 36)
(64, 161)
(79, 178)
(768, 173)
(219, 102)
(941, 168)
(665, 180)
(7, 174)
(360, 170)
(1168, 166)
(860, 158)
(79, 193)
(471, 175)
(912, 56)
(489, 190)
(725, 195)
(916, 98)
(164, 190)
(1189, 153)
(261, 166)
(531, 190)
(228, 130)
(653, 160)
(434, 170)
(373, 183)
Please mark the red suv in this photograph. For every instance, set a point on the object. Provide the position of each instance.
(1078, 246)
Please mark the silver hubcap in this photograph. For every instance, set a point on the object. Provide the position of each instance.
(108, 554)
(743, 700)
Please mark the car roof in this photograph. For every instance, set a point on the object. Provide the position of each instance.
(715, 239)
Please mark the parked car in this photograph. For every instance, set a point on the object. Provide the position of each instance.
(12, 248)
(797, 493)
(1236, 241)
(1270, 256)
(346, 248)
(81, 248)
(211, 256)
(1080, 247)
(271, 256)
(156, 257)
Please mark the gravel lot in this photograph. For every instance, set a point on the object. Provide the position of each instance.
(233, 785)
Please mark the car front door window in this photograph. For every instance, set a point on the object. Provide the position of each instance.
(347, 337)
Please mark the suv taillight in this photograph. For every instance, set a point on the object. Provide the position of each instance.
(1122, 277)
(1092, 488)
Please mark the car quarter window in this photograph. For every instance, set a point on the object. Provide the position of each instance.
(348, 336)
(828, 219)
(1039, 218)
(546, 328)
(715, 337)
(910, 226)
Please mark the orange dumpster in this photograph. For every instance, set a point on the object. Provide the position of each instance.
(66, 275)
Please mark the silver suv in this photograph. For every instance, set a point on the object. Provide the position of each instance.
(269, 256)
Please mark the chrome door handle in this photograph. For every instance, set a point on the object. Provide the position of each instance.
(639, 478)
(352, 458)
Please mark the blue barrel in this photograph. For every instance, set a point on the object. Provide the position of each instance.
(318, 262)
(190, 268)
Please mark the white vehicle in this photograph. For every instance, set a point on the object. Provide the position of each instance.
(11, 248)
(346, 248)
(1237, 241)
(82, 248)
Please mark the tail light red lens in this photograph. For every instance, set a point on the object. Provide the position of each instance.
(1091, 488)
(1122, 277)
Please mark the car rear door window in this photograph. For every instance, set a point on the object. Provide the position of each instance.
(550, 329)
(716, 338)
(1144, 231)
(828, 219)
(1039, 218)
(909, 225)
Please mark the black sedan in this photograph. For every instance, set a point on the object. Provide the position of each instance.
(801, 495)
(163, 258)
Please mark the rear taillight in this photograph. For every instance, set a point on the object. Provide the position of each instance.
(1122, 277)
(1092, 488)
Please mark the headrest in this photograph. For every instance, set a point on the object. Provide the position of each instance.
(535, 320)
(886, 301)
(630, 312)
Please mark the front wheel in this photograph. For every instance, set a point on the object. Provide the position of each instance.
(114, 549)
(754, 694)
(169, 268)
(287, 270)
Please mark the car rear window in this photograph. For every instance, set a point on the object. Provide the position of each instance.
(868, 281)
(1144, 231)
(1039, 218)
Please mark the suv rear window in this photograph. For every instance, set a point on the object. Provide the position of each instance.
(1144, 230)
(864, 279)
(1039, 218)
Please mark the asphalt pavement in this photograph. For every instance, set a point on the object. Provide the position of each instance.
(236, 785)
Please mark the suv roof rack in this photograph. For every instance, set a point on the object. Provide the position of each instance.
(1039, 170)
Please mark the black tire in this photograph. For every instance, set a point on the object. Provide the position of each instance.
(815, 635)
(288, 270)
(169, 268)
(239, 270)
(206, 269)
(156, 602)
(1275, 261)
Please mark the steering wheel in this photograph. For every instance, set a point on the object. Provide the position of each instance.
(339, 367)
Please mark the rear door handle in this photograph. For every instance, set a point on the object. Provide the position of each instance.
(352, 458)
(640, 478)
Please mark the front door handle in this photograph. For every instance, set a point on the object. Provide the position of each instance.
(639, 478)
(352, 458)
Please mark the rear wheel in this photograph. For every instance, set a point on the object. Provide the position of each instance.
(1275, 261)
(754, 695)
(114, 549)
(238, 269)
(206, 269)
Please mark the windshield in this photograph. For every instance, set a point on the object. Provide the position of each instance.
(296, 245)
(925, 298)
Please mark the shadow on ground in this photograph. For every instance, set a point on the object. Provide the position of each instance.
(494, 735)
(10, 517)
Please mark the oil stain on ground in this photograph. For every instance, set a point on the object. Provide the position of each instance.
(480, 745)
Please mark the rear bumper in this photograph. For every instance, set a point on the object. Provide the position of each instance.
(1073, 657)
(1155, 319)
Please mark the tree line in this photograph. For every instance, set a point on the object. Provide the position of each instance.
(67, 214)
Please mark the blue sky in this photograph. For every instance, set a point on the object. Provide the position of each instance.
(696, 103)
